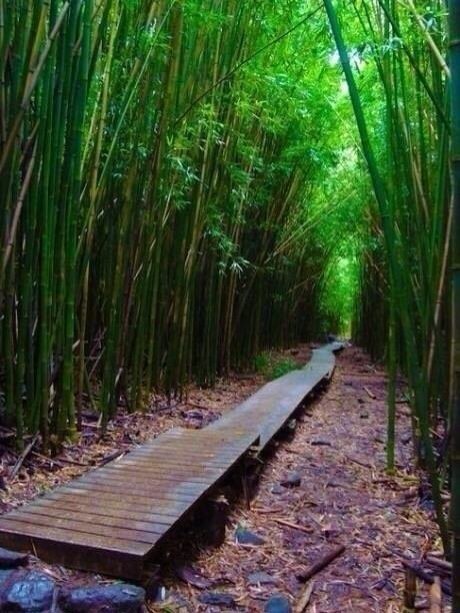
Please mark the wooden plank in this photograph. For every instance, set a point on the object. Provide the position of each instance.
(74, 537)
(74, 551)
(116, 491)
(37, 517)
(68, 505)
(145, 479)
(180, 454)
(126, 524)
(115, 498)
(78, 497)
(132, 470)
(143, 485)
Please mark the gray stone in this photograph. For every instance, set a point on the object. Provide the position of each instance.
(217, 599)
(260, 577)
(318, 442)
(245, 537)
(12, 559)
(4, 576)
(278, 604)
(26, 592)
(292, 480)
(116, 598)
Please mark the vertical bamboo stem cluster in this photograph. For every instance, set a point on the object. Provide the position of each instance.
(411, 190)
(140, 232)
(454, 32)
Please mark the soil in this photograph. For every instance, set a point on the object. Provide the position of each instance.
(344, 497)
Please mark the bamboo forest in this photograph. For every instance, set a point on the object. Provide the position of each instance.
(230, 305)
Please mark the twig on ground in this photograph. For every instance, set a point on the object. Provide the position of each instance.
(19, 462)
(436, 596)
(304, 598)
(112, 456)
(284, 522)
(426, 576)
(358, 461)
(444, 564)
(369, 393)
(318, 566)
(410, 587)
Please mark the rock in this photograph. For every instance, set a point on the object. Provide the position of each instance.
(320, 442)
(278, 604)
(245, 537)
(292, 480)
(12, 559)
(174, 601)
(116, 598)
(260, 578)
(277, 489)
(217, 599)
(26, 592)
(194, 414)
(4, 576)
(193, 577)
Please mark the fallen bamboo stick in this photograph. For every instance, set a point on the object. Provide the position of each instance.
(318, 566)
(369, 393)
(304, 598)
(436, 596)
(284, 522)
(19, 462)
(426, 576)
(444, 564)
(410, 587)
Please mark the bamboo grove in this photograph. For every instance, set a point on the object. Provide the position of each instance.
(182, 181)
(152, 182)
(406, 263)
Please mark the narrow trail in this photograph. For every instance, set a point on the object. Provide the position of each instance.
(344, 497)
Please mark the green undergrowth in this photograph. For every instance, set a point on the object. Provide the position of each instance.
(272, 365)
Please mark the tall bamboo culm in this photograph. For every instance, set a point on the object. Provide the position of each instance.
(454, 23)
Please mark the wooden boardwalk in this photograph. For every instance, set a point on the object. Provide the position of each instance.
(265, 412)
(112, 519)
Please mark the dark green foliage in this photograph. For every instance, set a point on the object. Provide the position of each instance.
(273, 365)
(157, 162)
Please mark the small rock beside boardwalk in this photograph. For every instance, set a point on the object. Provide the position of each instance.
(32, 591)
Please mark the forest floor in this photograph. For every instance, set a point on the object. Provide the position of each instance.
(344, 497)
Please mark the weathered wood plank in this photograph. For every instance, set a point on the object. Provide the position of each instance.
(33, 516)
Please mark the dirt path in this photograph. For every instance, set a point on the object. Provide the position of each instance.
(344, 497)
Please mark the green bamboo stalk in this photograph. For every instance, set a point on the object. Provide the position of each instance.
(398, 272)
(454, 33)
